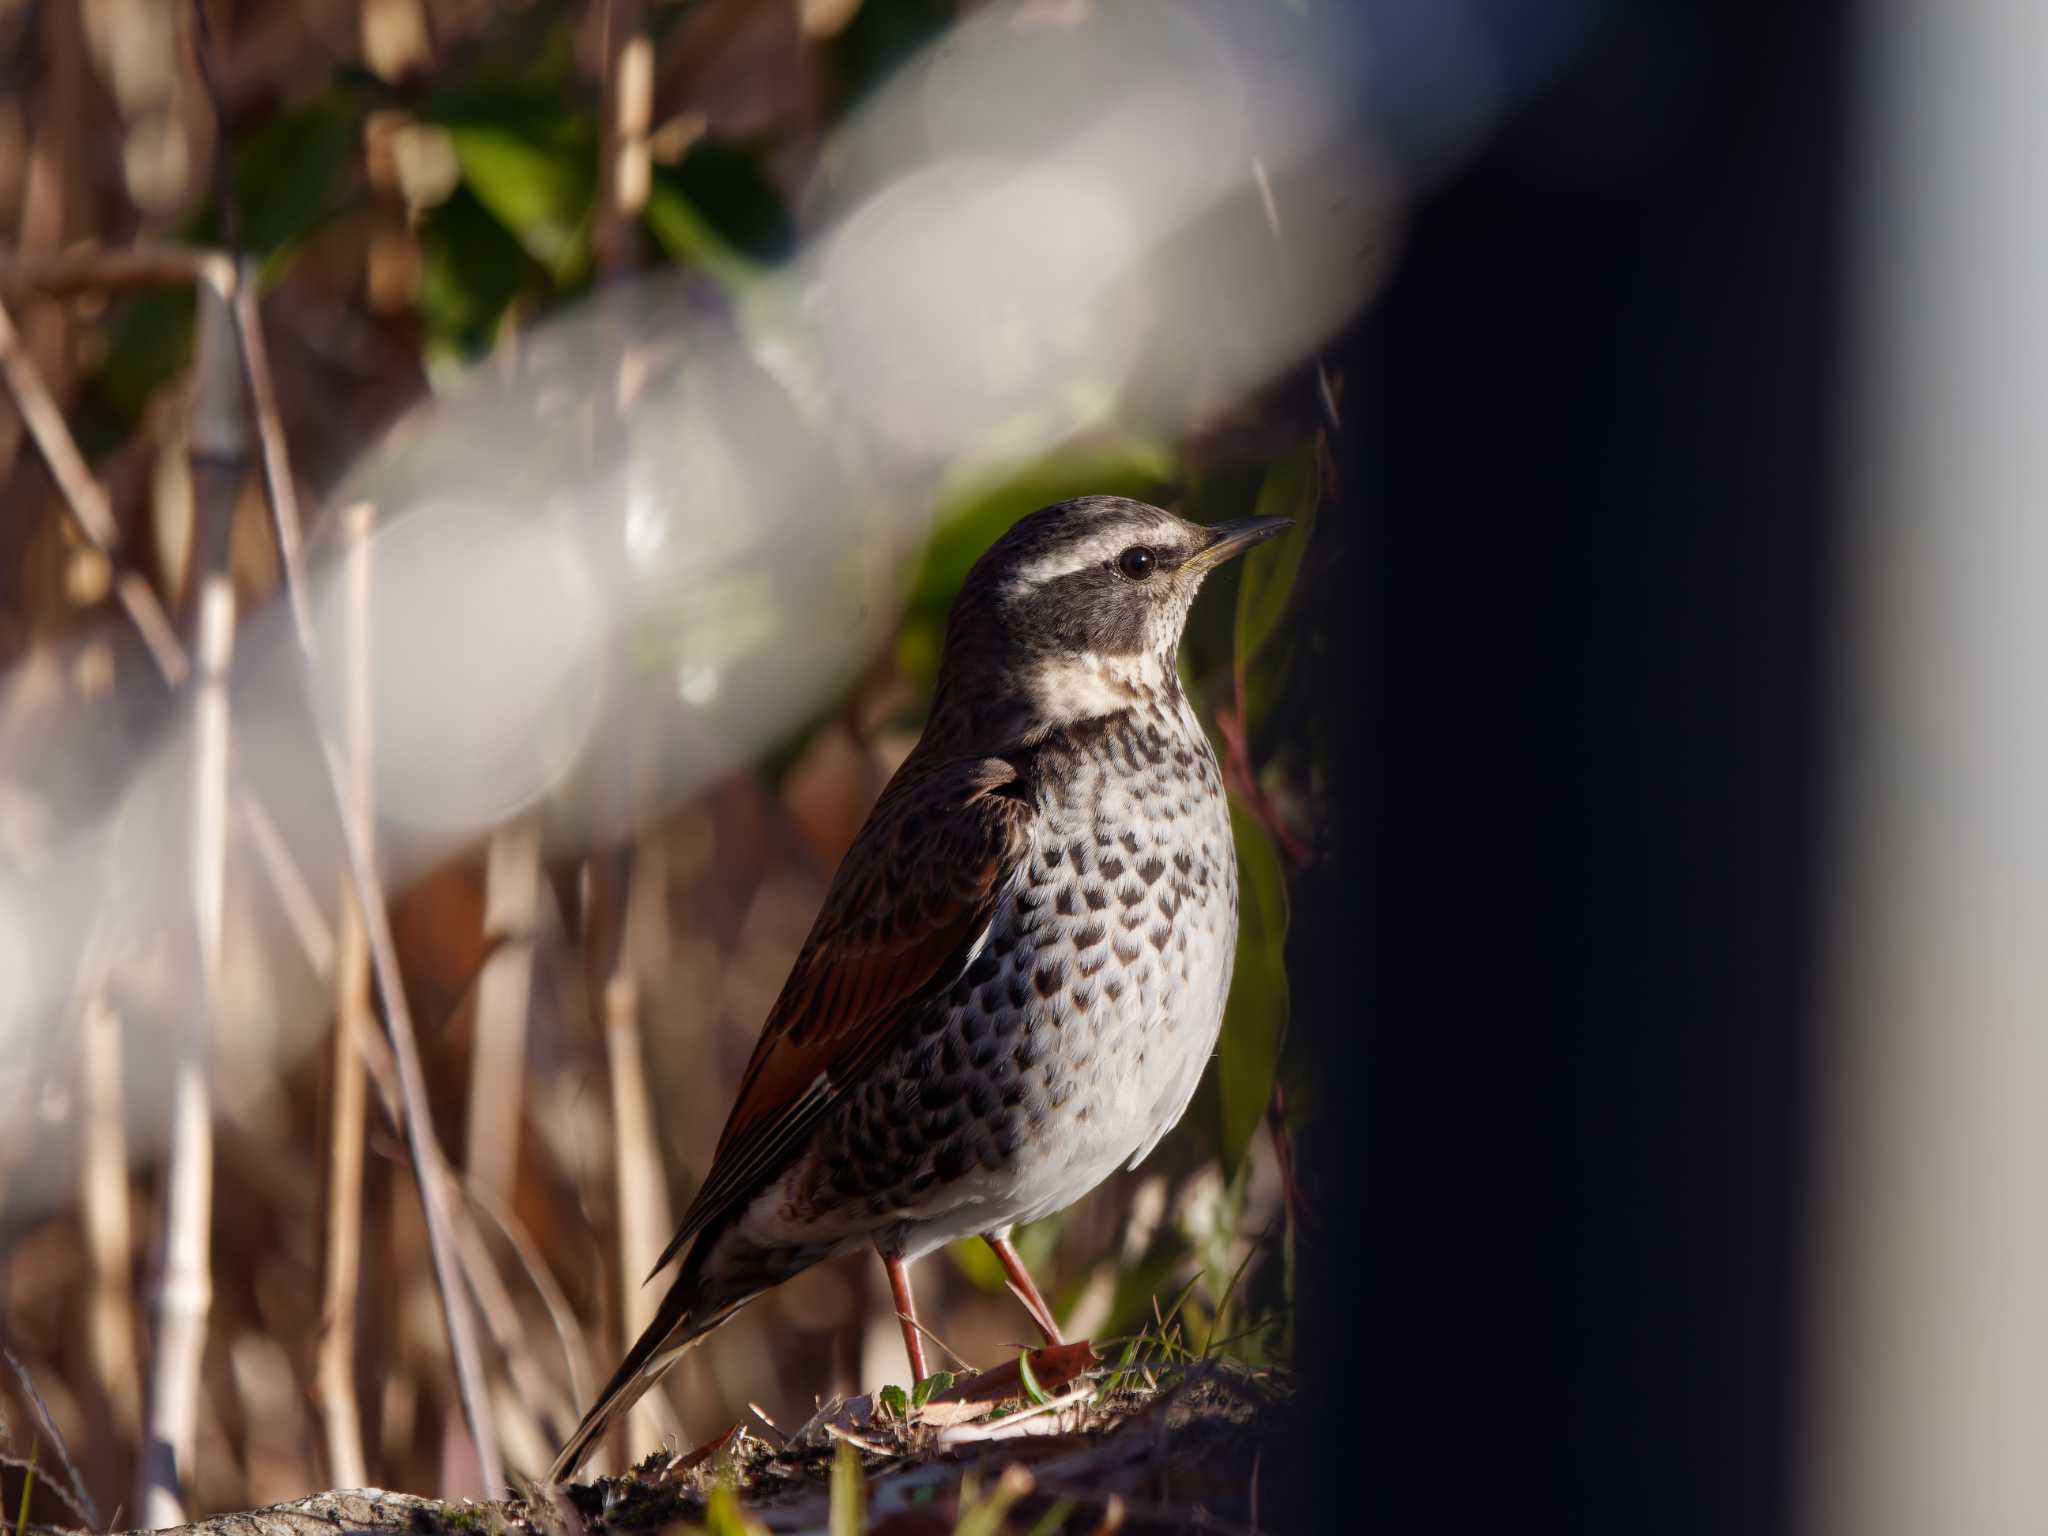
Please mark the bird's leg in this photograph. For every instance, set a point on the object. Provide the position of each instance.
(906, 1312)
(1026, 1288)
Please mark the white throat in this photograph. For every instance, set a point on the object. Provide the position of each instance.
(1084, 686)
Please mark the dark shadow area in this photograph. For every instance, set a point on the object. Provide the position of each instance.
(1559, 984)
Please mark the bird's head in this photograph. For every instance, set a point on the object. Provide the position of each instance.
(1077, 611)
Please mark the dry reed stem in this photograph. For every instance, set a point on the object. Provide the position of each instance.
(183, 1293)
(627, 113)
(109, 1217)
(535, 1391)
(429, 1163)
(642, 1191)
(335, 1363)
(503, 994)
(86, 499)
(287, 882)
(45, 422)
(560, 1315)
(277, 469)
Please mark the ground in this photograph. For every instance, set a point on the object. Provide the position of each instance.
(1079, 1447)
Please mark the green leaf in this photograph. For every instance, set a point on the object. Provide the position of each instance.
(149, 341)
(539, 184)
(1293, 488)
(688, 237)
(727, 186)
(722, 1513)
(28, 1487)
(1032, 1389)
(893, 1401)
(977, 1261)
(849, 1494)
(1255, 1017)
(922, 1393)
(296, 171)
(471, 269)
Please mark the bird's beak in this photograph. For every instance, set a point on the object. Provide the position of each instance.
(1228, 540)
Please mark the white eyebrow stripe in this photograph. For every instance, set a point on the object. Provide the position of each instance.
(1097, 549)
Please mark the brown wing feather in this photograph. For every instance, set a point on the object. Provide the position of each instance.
(912, 896)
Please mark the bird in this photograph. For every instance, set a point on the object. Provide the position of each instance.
(1020, 967)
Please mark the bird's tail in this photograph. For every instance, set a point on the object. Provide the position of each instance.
(676, 1327)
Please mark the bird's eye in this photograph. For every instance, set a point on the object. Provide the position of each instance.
(1137, 562)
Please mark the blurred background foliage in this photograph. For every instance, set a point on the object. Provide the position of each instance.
(418, 181)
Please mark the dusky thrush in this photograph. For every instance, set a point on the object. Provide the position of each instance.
(1020, 968)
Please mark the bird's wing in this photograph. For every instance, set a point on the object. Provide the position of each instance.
(910, 903)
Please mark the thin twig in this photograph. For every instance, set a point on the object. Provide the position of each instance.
(45, 423)
(277, 469)
(533, 1388)
(552, 1299)
(100, 269)
(73, 1493)
(86, 499)
(287, 881)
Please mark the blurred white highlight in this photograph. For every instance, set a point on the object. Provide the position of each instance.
(616, 564)
(487, 673)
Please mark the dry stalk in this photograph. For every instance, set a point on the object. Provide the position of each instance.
(626, 110)
(92, 515)
(109, 1220)
(628, 114)
(71, 1487)
(335, 1363)
(183, 1293)
(85, 497)
(287, 881)
(219, 445)
(503, 993)
(560, 1315)
(534, 1391)
(429, 1163)
(277, 469)
(642, 1191)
